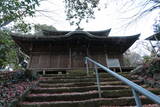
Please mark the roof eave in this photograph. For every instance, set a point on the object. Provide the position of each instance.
(152, 37)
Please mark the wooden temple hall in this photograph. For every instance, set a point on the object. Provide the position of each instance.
(63, 50)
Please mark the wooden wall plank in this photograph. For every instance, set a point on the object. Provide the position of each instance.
(34, 63)
(44, 61)
(69, 56)
(59, 58)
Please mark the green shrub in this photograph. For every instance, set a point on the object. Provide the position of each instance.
(154, 66)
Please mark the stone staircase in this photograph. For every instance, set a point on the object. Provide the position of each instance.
(69, 90)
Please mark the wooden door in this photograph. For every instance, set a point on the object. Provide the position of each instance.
(77, 57)
(59, 58)
(98, 55)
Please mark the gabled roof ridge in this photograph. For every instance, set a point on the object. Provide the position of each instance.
(89, 34)
(67, 33)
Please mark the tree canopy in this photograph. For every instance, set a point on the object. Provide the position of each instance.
(156, 26)
(13, 11)
(16, 10)
(7, 50)
(78, 10)
(39, 27)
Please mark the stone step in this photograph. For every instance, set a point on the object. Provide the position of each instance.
(52, 83)
(80, 84)
(95, 102)
(79, 80)
(83, 76)
(145, 105)
(120, 82)
(78, 96)
(76, 80)
(81, 91)
(73, 96)
(79, 76)
(77, 89)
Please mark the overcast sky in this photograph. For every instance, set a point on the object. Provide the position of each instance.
(115, 15)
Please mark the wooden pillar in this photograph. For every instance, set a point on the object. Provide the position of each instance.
(70, 57)
(29, 61)
(50, 54)
(88, 54)
(158, 44)
(31, 47)
(153, 48)
(88, 50)
(106, 55)
(30, 55)
(44, 72)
